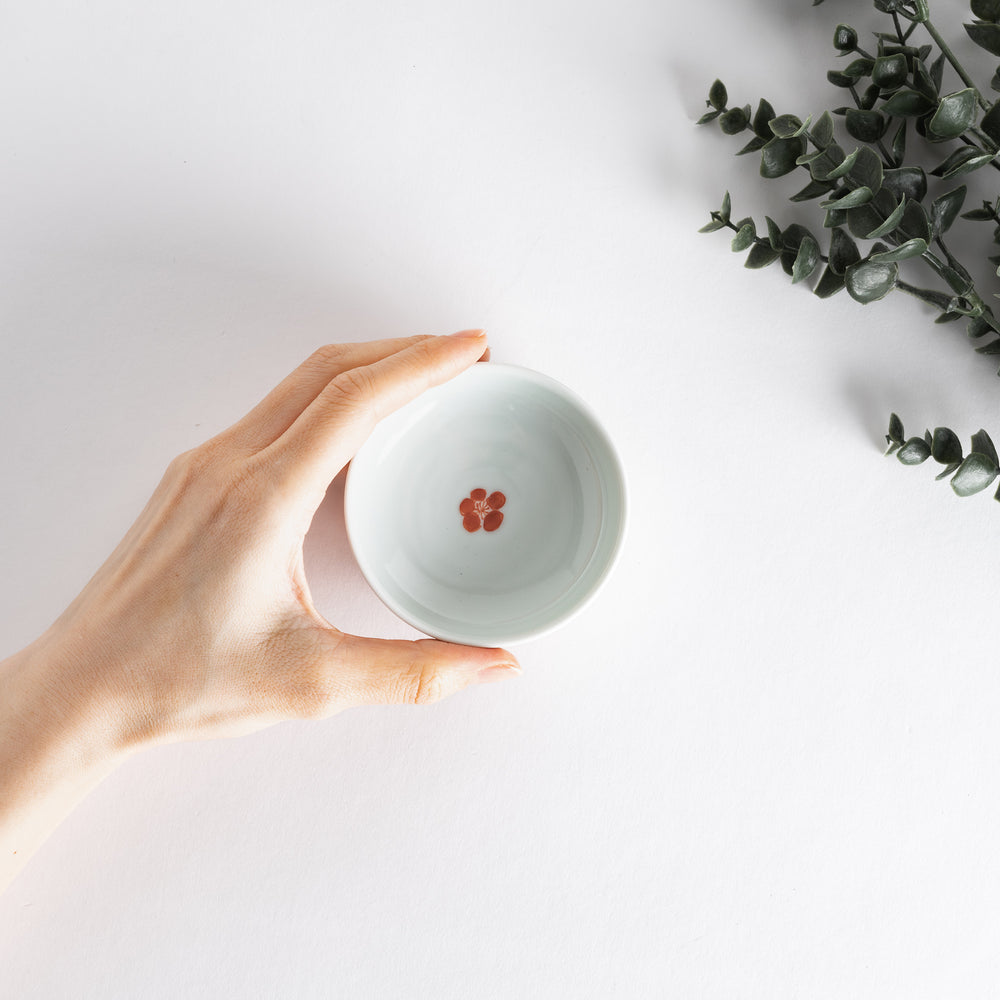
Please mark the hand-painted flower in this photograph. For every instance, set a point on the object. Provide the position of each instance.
(481, 511)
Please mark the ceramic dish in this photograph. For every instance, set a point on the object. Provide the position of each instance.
(490, 509)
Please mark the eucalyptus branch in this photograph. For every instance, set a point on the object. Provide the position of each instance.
(969, 474)
(873, 195)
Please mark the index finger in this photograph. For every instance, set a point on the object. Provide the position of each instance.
(326, 435)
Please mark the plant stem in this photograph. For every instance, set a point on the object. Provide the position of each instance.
(989, 145)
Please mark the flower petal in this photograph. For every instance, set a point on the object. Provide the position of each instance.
(496, 500)
(493, 520)
(467, 506)
(478, 494)
(470, 522)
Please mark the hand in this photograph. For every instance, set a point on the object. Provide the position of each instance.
(200, 624)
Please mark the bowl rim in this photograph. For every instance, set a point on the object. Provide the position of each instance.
(516, 637)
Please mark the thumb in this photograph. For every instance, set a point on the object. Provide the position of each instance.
(401, 672)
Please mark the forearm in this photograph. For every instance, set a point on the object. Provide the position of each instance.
(54, 749)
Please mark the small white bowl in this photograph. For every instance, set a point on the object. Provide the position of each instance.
(489, 510)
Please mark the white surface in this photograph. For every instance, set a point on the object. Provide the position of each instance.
(763, 764)
(562, 520)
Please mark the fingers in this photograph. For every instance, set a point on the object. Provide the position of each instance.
(277, 411)
(400, 672)
(326, 435)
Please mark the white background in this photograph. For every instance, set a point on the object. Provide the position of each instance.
(763, 764)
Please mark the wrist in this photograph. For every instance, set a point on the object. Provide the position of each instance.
(53, 750)
(51, 718)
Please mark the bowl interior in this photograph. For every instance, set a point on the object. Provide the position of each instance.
(488, 510)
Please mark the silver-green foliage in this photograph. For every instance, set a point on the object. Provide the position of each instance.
(877, 206)
(969, 474)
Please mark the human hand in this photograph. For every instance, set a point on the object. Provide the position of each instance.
(201, 623)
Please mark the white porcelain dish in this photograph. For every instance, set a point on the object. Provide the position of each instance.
(489, 510)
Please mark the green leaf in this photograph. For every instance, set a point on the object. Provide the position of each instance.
(868, 281)
(978, 327)
(762, 120)
(890, 72)
(899, 144)
(947, 471)
(895, 435)
(843, 252)
(717, 96)
(890, 223)
(840, 79)
(828, 284)
(760, 256)
(924, 83)
(714, 225)
(859, 68)
(983, 444)
(935, 73)
(844, 167)
(814, 189)
(727, 207)
(986, 36)
(905, 182)
(948, 317)
(945, 447)
(867, 170)
(984, 214)
(915, 223)
(955, 114)
(962, 161)
(974, 475)
(791, 240)
(915, 451)
(986, 10)
(845, 38)
(937, 299)
(870, 96)
(786, 126)
(806, 260)
(835, 217)
(990, 123)
(822, 131)
(974, 163)
(862, 219)
(907, 104)
(778, 157)
(708, 116)
(911, 248)
(865, 126)
(746, 235)
(752, 146)
(810, 156)
(944, 210)
(773, 233)
(859, 196)
(734, 121)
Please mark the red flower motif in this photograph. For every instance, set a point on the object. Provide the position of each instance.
(481, 511)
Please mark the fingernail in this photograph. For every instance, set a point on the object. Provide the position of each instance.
(468, 334)
(497, 673)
